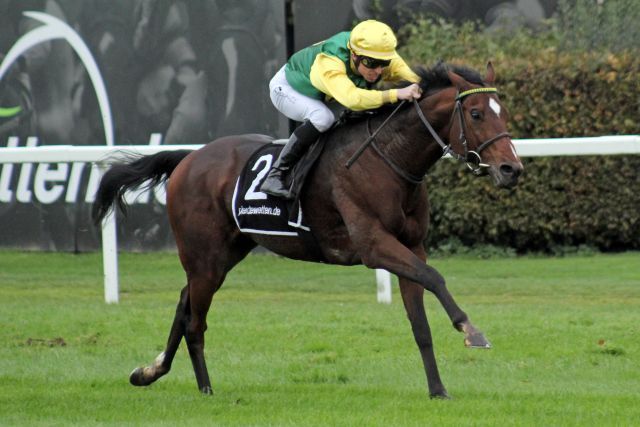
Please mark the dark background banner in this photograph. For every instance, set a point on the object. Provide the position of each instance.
(175, 72)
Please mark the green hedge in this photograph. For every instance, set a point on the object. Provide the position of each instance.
(591, 201)
(556, 95)
(564, 201)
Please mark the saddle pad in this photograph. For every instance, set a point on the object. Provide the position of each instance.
(258, 212)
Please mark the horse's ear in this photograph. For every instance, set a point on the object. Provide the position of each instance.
(458, 81)
(491, 74)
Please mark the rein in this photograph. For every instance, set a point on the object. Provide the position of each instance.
(371, 137)
(471, 158)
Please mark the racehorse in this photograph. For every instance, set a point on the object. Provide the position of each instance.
(375, 212)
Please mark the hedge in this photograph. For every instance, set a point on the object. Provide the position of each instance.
(591, 201)
(565, 201)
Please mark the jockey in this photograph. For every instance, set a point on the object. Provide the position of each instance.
(345, 68)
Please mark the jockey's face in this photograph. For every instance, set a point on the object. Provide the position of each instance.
(371, 75)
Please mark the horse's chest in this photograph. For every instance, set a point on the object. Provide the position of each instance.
(343, 242)
(413, 231)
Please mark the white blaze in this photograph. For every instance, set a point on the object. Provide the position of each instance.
(494, 106)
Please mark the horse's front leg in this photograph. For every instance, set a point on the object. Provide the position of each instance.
(385, 251)
(412, 297)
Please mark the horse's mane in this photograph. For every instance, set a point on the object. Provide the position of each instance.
(436, 78)
(432, 79)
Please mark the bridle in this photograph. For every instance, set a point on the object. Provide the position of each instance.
(471, 158)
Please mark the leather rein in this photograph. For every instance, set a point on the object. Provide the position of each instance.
(471, 158)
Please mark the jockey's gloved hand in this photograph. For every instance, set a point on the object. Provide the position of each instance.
(410, 92)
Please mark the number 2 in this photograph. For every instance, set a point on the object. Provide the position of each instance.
(252, 194)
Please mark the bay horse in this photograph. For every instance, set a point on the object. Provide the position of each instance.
(376, 212)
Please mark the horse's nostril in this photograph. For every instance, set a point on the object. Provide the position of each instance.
(510, 170)
(507, 170)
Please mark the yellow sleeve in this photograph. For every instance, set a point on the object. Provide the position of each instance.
(398, 70)
(329, 76)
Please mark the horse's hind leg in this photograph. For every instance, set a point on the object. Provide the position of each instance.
(207, 262)
(144, 376)
(202, 290)
(190, 321)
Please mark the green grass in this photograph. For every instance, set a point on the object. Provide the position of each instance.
(296, 344)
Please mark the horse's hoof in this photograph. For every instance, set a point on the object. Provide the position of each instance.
(477, 340)
(440, 396)
(206, 390)
(136, 377)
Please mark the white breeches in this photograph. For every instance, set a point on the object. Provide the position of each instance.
(297, 106)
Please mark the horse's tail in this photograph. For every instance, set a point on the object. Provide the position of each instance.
(134, 172)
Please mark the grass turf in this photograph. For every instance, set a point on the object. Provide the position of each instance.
(303, 344)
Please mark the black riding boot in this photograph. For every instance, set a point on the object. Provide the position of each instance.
(301, 139)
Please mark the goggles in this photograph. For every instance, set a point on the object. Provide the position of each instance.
(374, 63)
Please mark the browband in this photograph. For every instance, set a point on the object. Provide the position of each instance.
(476, 90)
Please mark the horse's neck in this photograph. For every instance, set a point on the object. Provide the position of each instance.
(407, 142)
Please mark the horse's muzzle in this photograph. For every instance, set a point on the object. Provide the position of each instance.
(505, 175)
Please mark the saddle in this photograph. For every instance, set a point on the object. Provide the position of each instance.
(258, 212)
(262, 213)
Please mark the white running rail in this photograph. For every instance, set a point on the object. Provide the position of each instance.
(99, 155)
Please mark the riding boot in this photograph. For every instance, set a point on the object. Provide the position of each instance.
(301, 139)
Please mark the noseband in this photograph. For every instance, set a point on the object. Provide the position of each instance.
(471, 158)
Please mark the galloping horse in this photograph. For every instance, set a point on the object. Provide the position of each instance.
(376, 212)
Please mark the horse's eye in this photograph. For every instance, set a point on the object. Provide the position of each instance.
(475, 114)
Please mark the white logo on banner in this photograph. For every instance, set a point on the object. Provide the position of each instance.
(48, 182)
(53, 29)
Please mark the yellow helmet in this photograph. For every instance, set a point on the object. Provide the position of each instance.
(374, 39)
